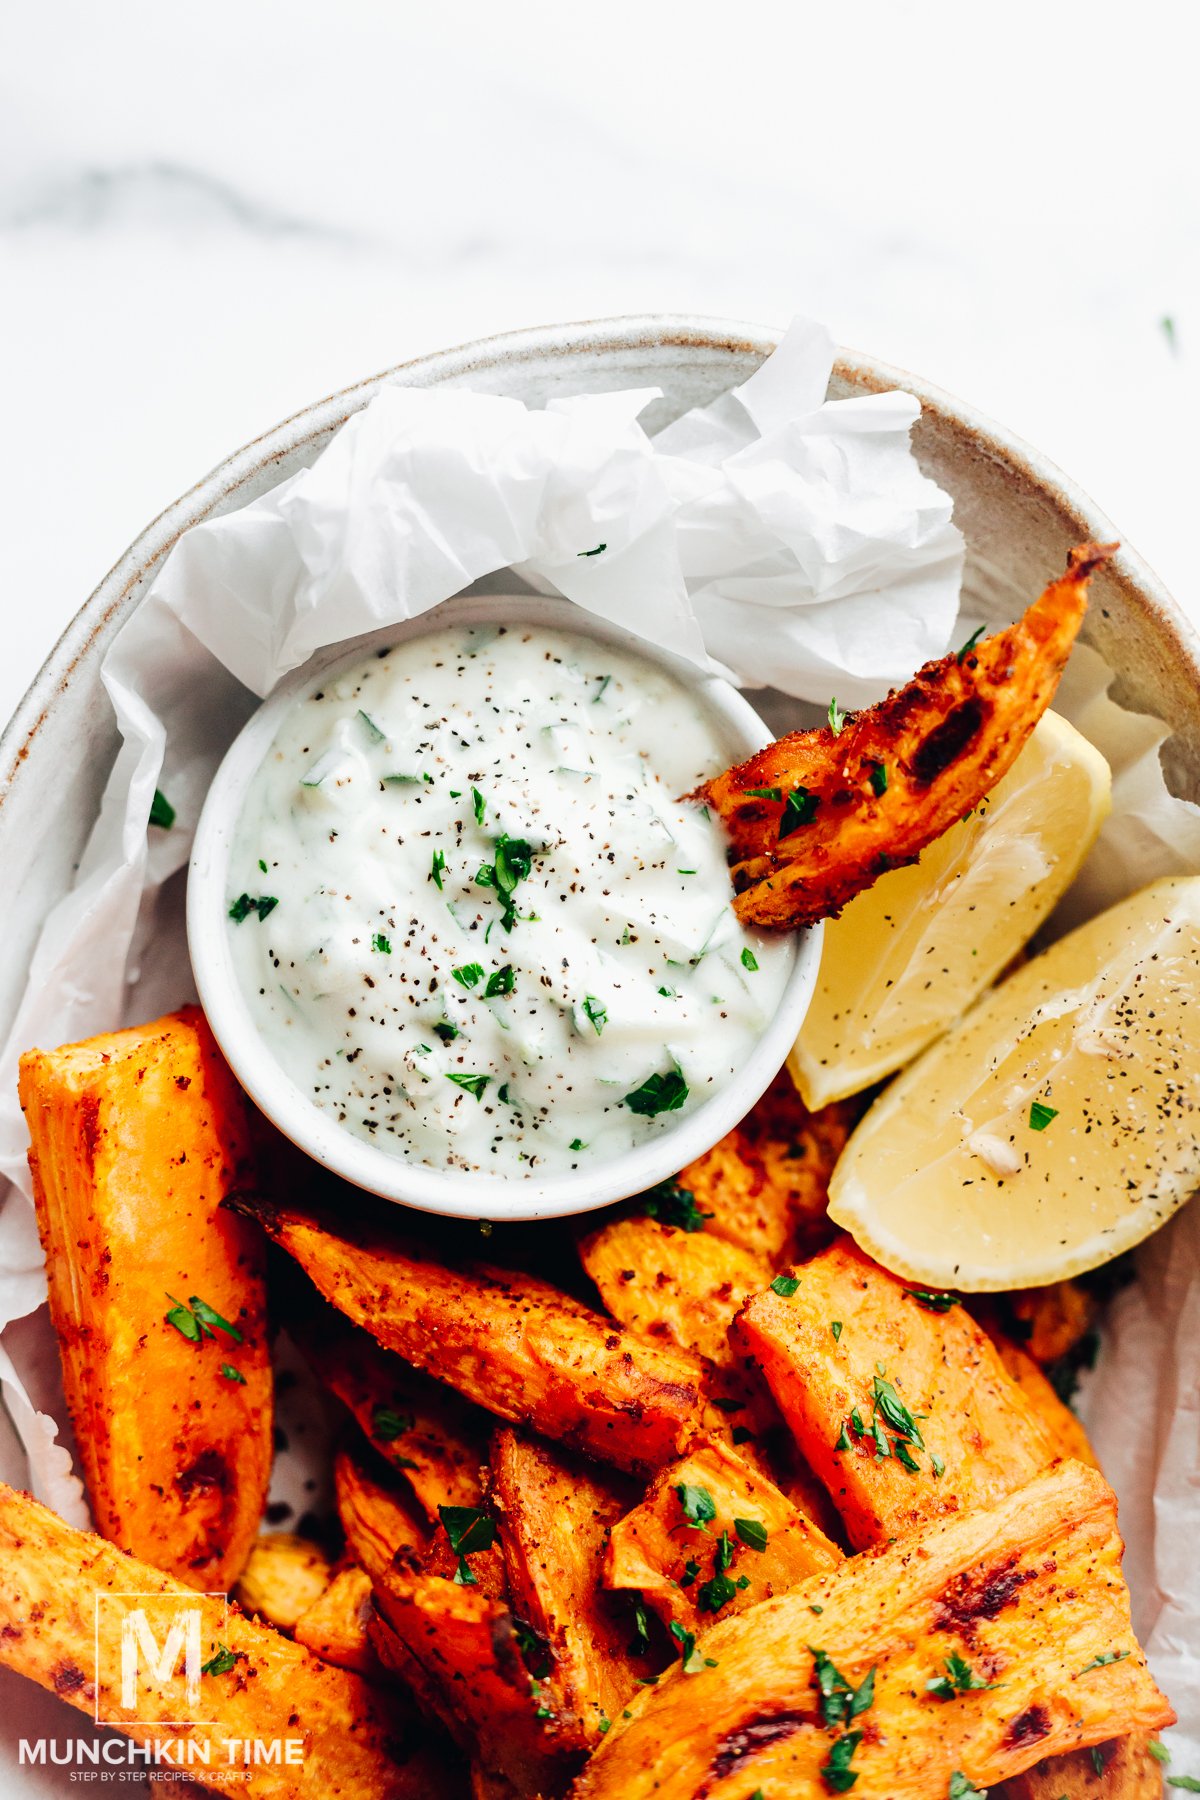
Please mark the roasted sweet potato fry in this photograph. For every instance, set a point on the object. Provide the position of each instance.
(334, 1627)
(423, 1429)
(709, 1524)
(353, 1741)
(377, 1515)
(832, 1678)
(456, 1647)
(555, 1515)
(683, 1286)
(157, 1295)
(903, 1411)
(765, 1185)
(284, 1575)
(511, 1343)
(1047, 1322)
(1070, 1439)
(1121, 1770)
(818, 816)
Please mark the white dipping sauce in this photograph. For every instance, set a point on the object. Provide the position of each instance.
(499, 941)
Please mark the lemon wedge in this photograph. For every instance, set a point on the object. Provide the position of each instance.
(1055, 1125)
(908, 957)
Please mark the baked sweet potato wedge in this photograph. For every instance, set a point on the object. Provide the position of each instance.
(283, 1576)
(555, 1515)
(818, 816)
(1066, 1430)
(456, 1647)
(765, 1185)
(711, 1538)
(684, 1287)
(334, 1627)
(832, 1679)
(156, 1294)
(1121, 1770)
(423, 1429)
(65, 1595)
(1047, 1322)
(376, 1513)
(897, 1400)
(510, 1343)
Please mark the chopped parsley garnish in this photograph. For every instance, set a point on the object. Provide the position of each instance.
(446, 1031)
(674, 1205)
(836, 717)
(841, 1702)
(935, 1303)
(603, 688)
(892, 1409)
(785, 1286)
(472, 1084)
(879, 779)
(1158, 1751)
(1103, 1660)
(578, 1144)
(535, 1652)
(843, 1439)
(232, 1374)
(469, 976)
(387, 1424)
(512, 864)
(245, 904)
(836, 1772)
(469, 1528)
(382, 944)
(596, 552)
(752, 1532)
(961, 1789)
(596, 1014)
(691, 1569)
(262, 865)
(835, 1325)
(1040, 1115)
(480, 805)
(1188, 1783)
(763, 793)
(199, 1320)
(438, 868)
(718, 1591)
(502, 981)
(937, 1465)
(961, 658)
(641, 1630)
(749, 960)
(162, 813)
(658, 1094)
(462, 1576)
(697, 1503)
(668, 993)
(960, 1678)
(692, 1660)
(374, 734)
(220, 1663)
(801, 809)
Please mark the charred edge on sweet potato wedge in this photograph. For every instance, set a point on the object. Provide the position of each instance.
(156, 1294)
(818, 816)
(356, 1740)
(903, 1412)
(712, 1537)
(556, 1513)
(1027, 1595)
(376, 1512)
(424, 1430)
(511, 1343)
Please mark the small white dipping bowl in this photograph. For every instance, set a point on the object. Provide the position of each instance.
(740, 732)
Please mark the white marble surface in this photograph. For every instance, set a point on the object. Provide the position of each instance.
(210, 216)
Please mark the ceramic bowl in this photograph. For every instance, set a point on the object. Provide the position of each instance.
(739, 731)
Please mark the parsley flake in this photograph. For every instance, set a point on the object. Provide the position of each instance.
(836, 717)
(382, 944)
(749, 960)
(801, 809)
(469, 1528)
(220, 1663)
(600, 548)
(438, 868)
(674, 1205)
(472, 1084)
(768, 793)
(934, 1303)
(245, 904)
(752, 1532)
(387, 1425)
(469, 976)
(785, 1286)
(1040, 1115)
(960, 1678)
(480, 805)
(835, 1326)
(697, 1503)
(962, 657)
(199, 1320)
(162, 813)
(502, 981)
(836, 1772)
(1104, 1659)
(961, 1789)
(658, 1094)
(596, 1014)
(879, 779)
(691, 1658)
(232, 1374)
(841, 1702)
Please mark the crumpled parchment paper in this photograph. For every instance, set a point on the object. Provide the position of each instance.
(792, 542)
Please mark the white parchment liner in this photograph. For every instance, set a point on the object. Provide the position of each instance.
(791, 540)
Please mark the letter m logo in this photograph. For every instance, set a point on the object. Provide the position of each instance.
(150, 1656)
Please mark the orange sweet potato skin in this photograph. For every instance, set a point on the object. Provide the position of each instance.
(136, 1138)
(354, 1738)
(1028, 1592)
(971, 1416)
(650, 1548)
(555, 1515)
(945, 739)
(510, 1343)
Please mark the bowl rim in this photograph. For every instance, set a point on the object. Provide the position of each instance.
(118, 593)
(454, 1193)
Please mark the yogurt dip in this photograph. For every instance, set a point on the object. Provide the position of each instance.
(471, 916)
